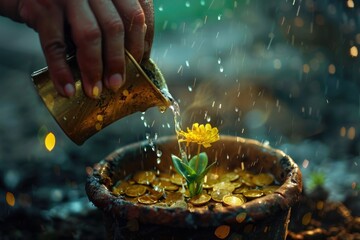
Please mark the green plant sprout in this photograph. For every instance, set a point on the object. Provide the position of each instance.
(317, 179)
(195, 169)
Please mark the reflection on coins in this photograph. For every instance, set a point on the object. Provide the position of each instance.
(219, 190)
(263, 179)
(135, 190)
(147, 199)
(144, 177)
(218, 195)
(232, 200)
(200, 199)
(253, 193)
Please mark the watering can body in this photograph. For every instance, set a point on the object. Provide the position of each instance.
(80, 117)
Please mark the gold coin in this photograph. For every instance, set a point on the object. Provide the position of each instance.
(217, 195)
(210, 180)
(164, 177)
(131, 181)
(155, 194)
(269, 189)
(218, 207)
(131, 199)
(185, 192)
(232, 200)
(172, 197)
(147, 199)
(165, 185)
(135, 190)
(253, 193)
(144, 177)
(177, 179)
(224, 185)
(241, 189)
(241, 197)
(179, 204)
(263, 179)
(229, 177)
(200, 199)
(237, 184)
(248, 183)
(120, 187)
(241, 172)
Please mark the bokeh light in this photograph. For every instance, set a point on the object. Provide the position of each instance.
(50, 141)
(10, 199)
(222, 231)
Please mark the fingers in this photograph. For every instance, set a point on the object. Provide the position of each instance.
(133, 17)
(86, 36)
(52, 41)
(112, 29)
(100, 31)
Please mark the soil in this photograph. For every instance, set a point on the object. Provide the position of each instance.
(316, 218)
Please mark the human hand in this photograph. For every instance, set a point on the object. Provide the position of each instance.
(100, 31)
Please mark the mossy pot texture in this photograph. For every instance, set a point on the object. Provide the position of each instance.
(265, 218)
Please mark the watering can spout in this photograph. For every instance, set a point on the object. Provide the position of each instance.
(80, 117)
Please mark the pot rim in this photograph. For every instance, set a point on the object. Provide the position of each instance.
(257, 209)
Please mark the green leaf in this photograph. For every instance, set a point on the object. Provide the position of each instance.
(199, 162)
(187, 172)
(202, 174)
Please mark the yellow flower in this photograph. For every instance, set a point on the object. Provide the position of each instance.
(200, 134)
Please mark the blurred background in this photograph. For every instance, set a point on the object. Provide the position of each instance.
(284, 72)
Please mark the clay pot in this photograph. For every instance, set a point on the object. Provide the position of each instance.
(263, 218)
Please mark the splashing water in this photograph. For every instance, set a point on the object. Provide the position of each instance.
(177, 121)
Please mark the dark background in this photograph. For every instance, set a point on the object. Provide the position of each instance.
(277, 71)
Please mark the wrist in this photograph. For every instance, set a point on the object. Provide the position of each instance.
(10, 9)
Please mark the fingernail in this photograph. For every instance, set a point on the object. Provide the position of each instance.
(115, 82)
(96, 91)
(69, 90)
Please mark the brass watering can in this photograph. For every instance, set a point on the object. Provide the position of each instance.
(80, 117)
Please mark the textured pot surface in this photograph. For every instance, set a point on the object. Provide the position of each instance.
(229, 153)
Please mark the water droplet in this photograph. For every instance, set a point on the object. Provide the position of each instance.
(155, 136)
(147, 136)
(221, 69)
(158, 153)
(208, 118)
(168, 125)
(187, 4)
(190, 88)
(142, 118)
(219, 60)
(219, 17)
(236, 109)
(187, 63)
(161, 8)
(64, 118)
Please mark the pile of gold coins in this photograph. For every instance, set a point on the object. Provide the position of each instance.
(169, 190)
